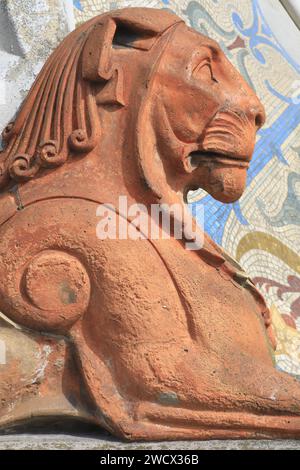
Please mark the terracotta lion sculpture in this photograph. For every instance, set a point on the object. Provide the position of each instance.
(143, 337)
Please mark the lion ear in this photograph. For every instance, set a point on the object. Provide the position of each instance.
(124, 31)
(97, 57)
(97, 53)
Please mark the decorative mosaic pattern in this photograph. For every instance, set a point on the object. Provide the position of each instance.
(261, 230)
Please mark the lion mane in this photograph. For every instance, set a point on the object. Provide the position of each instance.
(59, 118)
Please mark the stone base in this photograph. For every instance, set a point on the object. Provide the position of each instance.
(101, 442)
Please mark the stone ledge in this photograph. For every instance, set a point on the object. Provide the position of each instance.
(100, 442)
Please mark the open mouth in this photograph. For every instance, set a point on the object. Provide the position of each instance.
(198, 158)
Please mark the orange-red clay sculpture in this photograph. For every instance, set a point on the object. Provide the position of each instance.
(145, 338)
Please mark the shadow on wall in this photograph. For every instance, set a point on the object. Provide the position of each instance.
(8, 38)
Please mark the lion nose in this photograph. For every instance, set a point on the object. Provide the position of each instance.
(256, 112)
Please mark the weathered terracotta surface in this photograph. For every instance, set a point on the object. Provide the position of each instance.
(143, 337)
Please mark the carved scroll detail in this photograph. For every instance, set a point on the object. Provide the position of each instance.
(58, 119)
(23, 167)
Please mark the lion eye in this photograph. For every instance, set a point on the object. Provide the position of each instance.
(204, 72)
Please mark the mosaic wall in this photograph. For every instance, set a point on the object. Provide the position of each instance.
(261, 230)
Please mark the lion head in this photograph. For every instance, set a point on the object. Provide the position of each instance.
(193, 117)
(203, 118)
